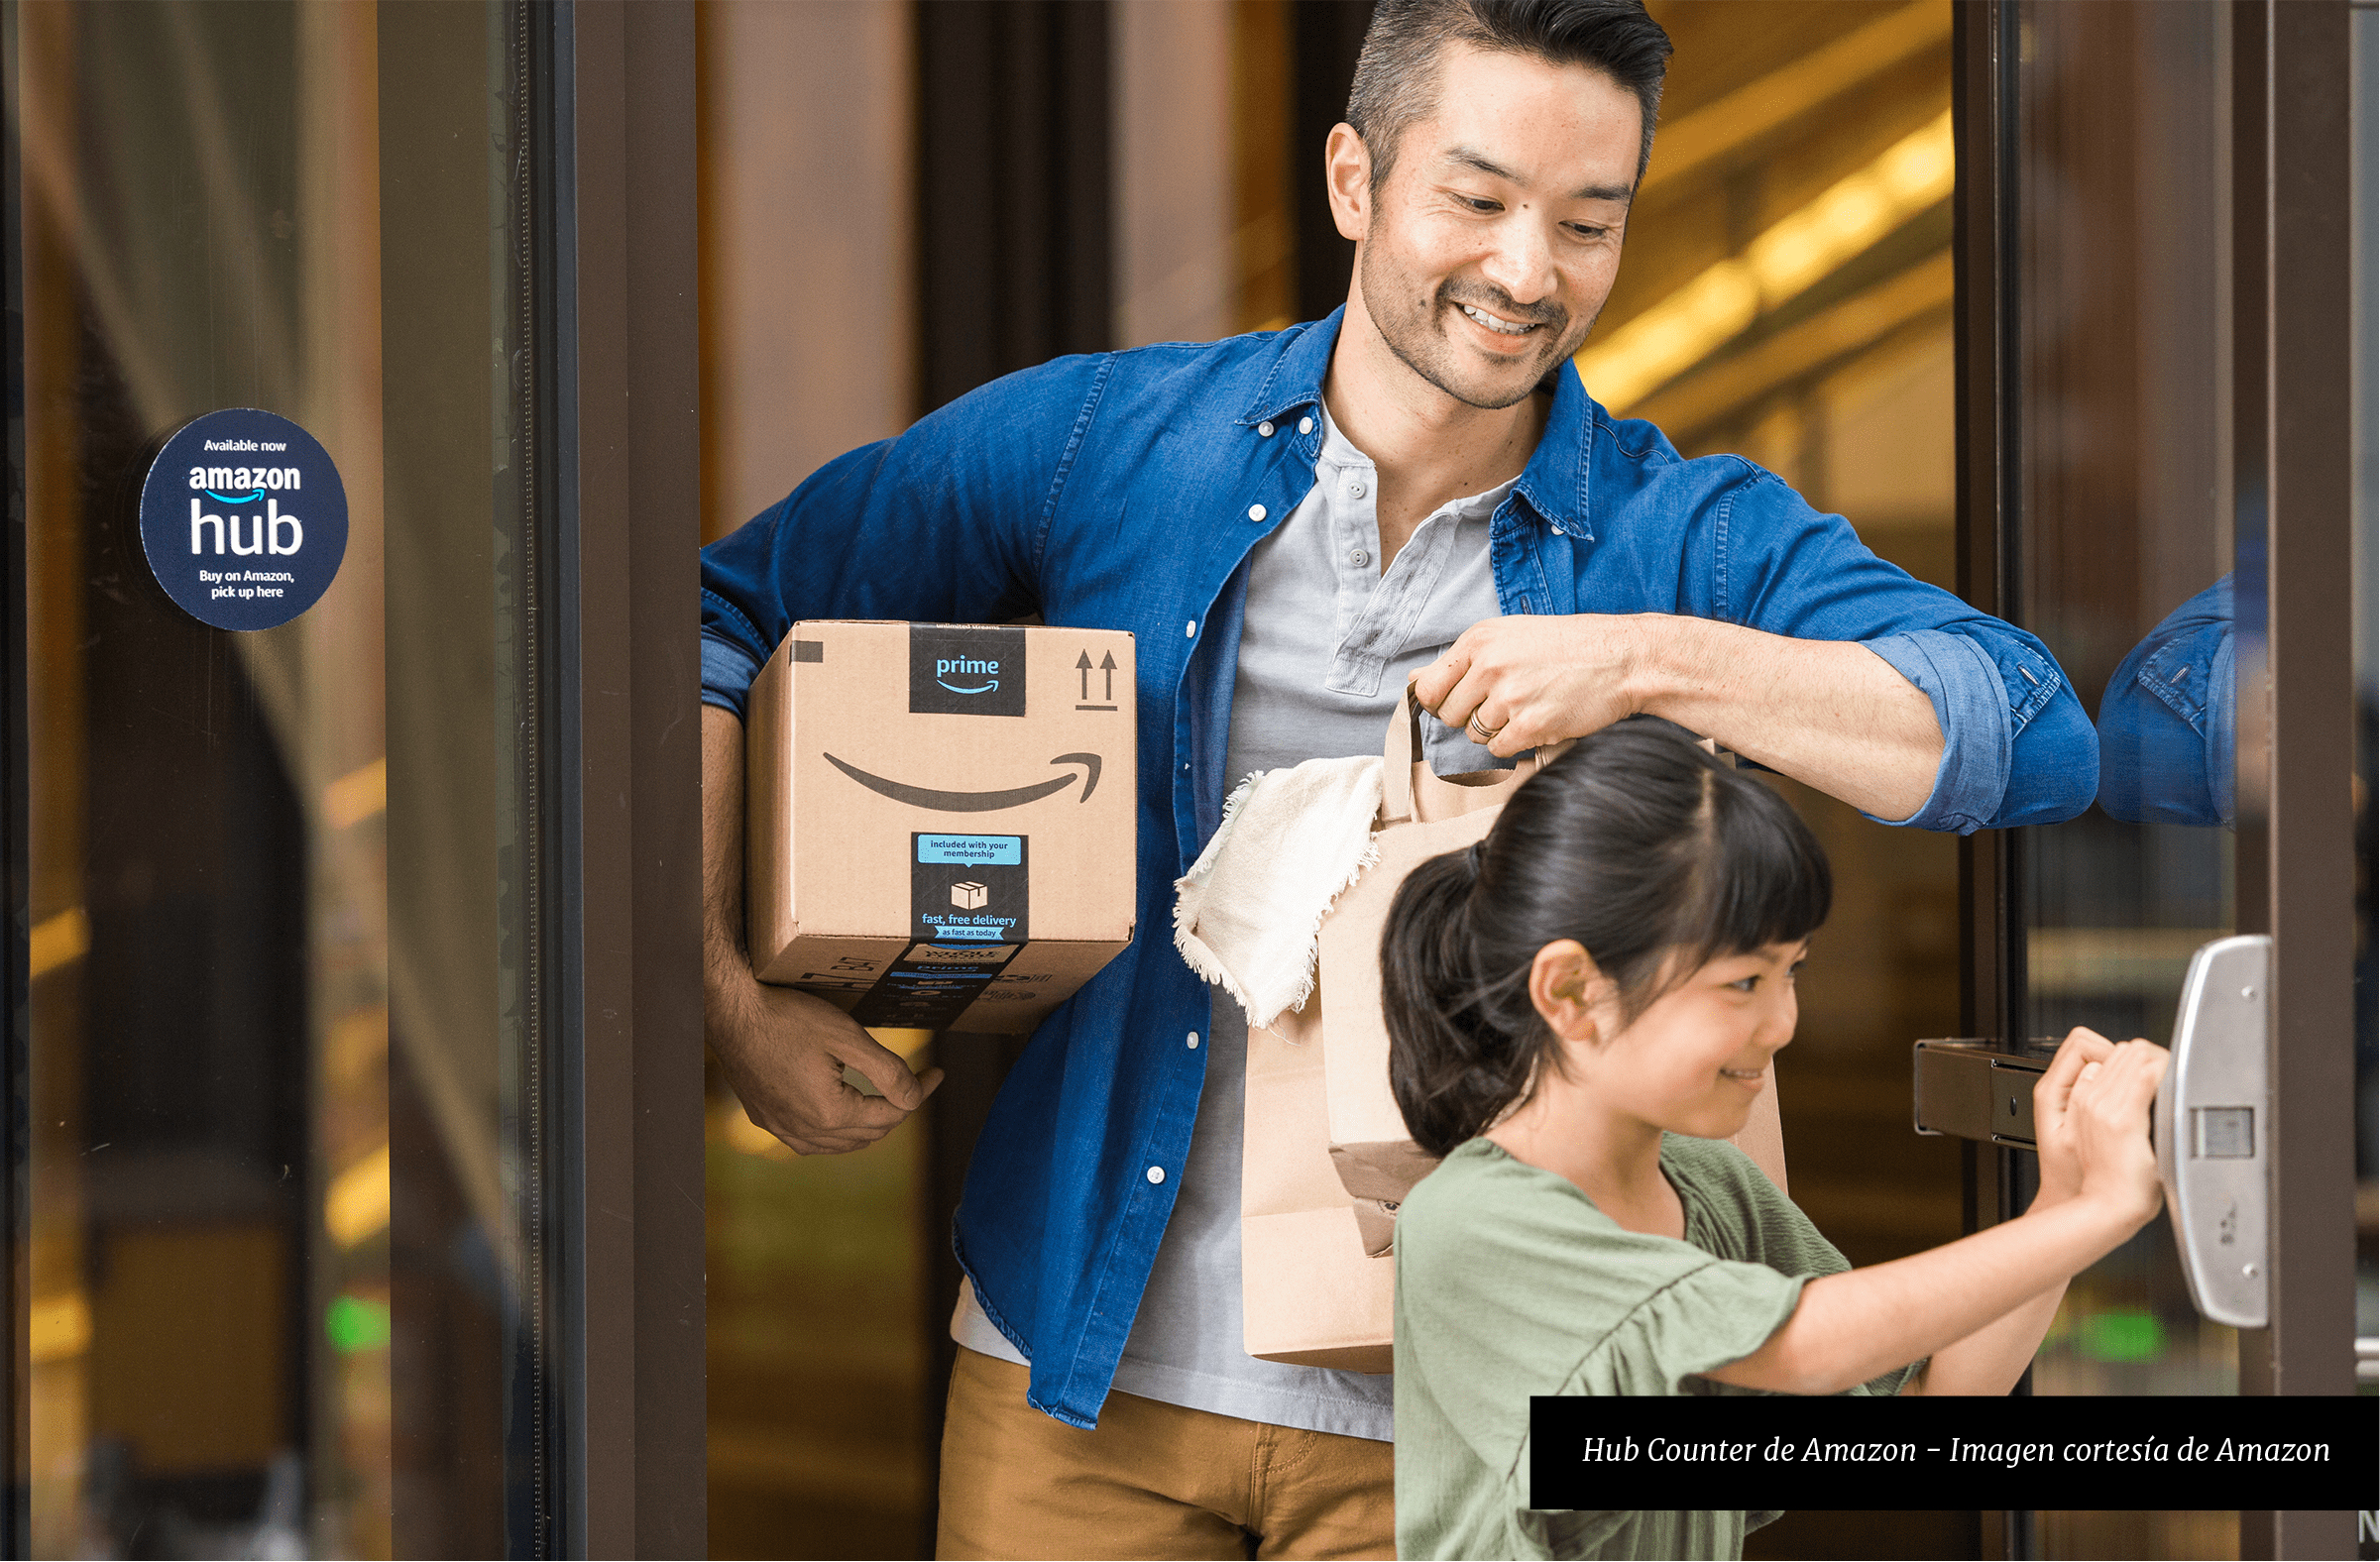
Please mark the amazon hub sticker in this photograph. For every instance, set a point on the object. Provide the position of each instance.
(965, 670)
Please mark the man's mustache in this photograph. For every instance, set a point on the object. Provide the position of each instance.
(1500, 303)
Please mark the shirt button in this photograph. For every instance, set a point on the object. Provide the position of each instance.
(1265, 429)
(1194, 1041)
(1355, 491)
(1189, 630)
(1359, 558)
(1157, 1173)
(1305, 425)
(1256, 513)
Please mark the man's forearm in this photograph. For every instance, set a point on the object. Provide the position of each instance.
(1829, 713)
(723, 833)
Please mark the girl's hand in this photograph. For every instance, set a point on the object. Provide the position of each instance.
(2108, 1113)
(2053, 1129)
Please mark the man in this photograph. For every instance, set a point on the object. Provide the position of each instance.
(1291, 524)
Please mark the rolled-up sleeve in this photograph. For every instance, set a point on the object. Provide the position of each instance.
(2017, 748)
(1971, 709)
(2167, 729)
(729, 664)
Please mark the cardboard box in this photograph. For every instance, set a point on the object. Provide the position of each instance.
(939, 818)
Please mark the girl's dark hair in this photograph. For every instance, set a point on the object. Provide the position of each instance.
(1636, 843)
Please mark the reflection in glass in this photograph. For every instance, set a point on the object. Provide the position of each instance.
(2168, 727)
(209, 1184)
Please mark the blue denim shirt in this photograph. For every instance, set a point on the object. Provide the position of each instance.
(1125, 492)
(2167, 727)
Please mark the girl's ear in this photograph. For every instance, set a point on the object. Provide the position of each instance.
(1570, 994)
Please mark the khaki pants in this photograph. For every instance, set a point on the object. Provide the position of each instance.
(1154, 1480)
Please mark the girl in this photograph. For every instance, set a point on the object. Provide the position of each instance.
(1579, 1009)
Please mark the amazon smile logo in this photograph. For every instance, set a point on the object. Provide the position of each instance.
(974, 802)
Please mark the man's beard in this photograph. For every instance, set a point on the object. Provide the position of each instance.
(1422, 346)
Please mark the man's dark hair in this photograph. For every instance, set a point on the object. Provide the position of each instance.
(1397, 74)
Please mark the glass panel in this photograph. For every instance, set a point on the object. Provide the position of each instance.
(2121, 533)
(281, 1254)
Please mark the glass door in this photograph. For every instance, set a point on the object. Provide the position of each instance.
(2160, 463)
(283, 1198)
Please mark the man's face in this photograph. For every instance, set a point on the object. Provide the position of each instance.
(1487, 253)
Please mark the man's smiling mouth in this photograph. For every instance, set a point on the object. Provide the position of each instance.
(1500, 327)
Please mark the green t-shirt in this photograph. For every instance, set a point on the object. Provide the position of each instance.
(1510, 1282)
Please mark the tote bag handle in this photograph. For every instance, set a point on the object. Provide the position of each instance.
(1411, 791)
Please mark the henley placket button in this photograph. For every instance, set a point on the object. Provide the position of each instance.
(1157, 1173)
(1359, 558)
(1355, 491)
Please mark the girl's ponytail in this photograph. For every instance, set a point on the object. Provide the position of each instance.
(1457, 1061)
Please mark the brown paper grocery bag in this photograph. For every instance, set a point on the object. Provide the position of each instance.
(1317, 1285)
(1422, 816)
(1309, 1293)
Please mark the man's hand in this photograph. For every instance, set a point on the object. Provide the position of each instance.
(783, 1050)
(1831, 714)
(1534, 680)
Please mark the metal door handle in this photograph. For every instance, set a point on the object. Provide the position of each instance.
(2213, 1126)
(2212, 1122)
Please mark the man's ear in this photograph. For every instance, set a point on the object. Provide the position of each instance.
(1347, 172)
(1569, 992)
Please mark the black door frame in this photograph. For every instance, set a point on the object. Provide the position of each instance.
(626, 820)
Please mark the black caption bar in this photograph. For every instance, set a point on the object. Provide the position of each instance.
(1934, 1453)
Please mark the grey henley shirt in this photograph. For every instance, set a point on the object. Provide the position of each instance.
(1328, 641)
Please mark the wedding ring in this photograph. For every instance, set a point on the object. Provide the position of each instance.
(1484, 736)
